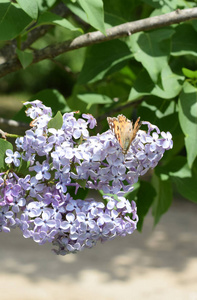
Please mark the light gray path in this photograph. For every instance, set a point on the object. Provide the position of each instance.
(159, 264)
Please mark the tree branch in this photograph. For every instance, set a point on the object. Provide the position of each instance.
(97, 37)
(9, 50)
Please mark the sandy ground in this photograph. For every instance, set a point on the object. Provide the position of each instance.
(158, 264)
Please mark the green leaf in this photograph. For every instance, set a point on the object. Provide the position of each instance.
(13, 20)
(155, 4)
(163, 198)
(50, 18)
(76, 9)
(187, 187)
(104, 59)
(188, 119)
(133, 195)
(81, 193)
(152, 49)
(24, 167)
(56, 122)
(179, 168)
(113, 14)
(92, 99)
(4, 145)
(95, 13)
(194, 168)
(25, 58)
(145, 197)
(118, 13)
(183, 177)
(77, 104)
(82, 183)
(189, 73)
(164, 114)
(30, 7)
(161, 112)
(171, 84)
(184, 41)
(168, 5)
(169, 88)
(112, 20)
(45, 5)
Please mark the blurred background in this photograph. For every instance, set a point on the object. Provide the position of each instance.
(157, 264)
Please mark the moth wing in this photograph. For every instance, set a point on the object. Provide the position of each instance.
(127, 137)
(136, 127)
(126, 129)
(111, 122)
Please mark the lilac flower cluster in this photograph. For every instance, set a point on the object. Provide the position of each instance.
(59, 159)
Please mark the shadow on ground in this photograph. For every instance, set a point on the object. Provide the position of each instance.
(169, 245)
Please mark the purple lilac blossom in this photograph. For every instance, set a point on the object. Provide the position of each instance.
(12, 157)
(40, 204)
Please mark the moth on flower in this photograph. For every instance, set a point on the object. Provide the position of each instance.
(124, 130)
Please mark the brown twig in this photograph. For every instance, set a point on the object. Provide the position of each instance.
(3, 134)
(119, 109)
(63, 67)
(95, 37)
